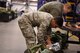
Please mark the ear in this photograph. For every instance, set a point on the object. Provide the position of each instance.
(53, 23)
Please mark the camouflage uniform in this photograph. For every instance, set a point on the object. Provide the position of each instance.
(54, 8)
(30, 20)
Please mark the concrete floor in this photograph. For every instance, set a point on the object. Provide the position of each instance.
(12, 40)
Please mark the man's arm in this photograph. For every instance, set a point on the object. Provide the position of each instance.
(51, 9)
(41, 33)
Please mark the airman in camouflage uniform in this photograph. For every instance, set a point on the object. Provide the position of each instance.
(44, 21)
(30, 20)
(56, 8)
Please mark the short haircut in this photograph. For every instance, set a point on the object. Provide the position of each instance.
(59, 21)
(68, 5)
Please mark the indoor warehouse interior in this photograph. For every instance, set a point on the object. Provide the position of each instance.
(18, 17)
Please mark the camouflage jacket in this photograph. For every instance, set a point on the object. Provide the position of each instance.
(54, 8)
(39, 19)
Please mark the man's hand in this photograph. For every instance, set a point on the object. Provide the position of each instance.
(48, 41)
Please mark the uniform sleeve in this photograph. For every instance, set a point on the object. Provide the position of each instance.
(53, 11)
(42, 32)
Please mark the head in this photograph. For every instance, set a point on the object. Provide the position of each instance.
(66, 8)
(56, 22)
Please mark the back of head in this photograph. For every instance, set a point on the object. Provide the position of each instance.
(59, 21)
(67, 7)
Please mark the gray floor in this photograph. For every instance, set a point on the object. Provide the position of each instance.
(12, 40)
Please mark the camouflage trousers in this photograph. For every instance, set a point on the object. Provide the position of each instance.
(30, 37)
(28, 32)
